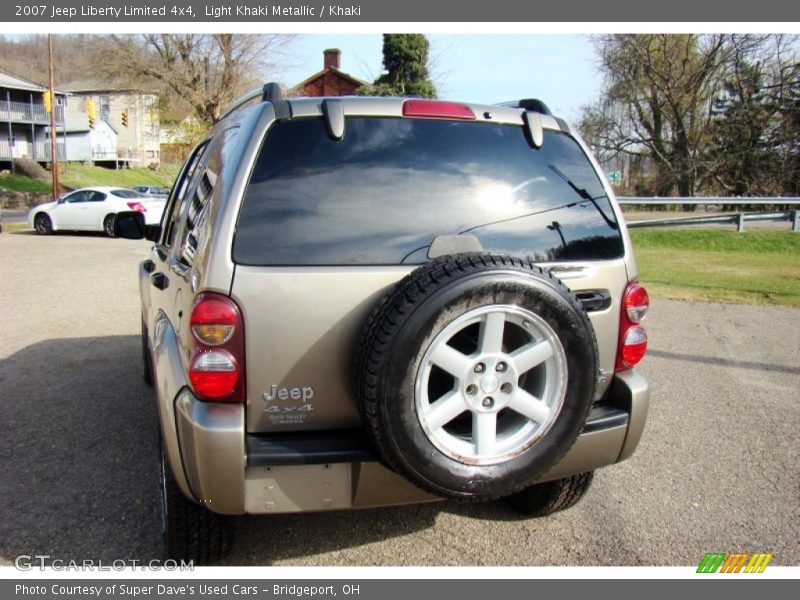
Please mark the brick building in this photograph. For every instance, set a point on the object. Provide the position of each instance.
(330, 81)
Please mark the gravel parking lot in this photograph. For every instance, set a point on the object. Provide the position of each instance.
(717, 470)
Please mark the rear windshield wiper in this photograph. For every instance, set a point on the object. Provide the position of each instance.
(509, 219)
(586, 196)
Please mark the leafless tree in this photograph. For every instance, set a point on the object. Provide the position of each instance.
(203, 71)
(717, 113)
(656, 101)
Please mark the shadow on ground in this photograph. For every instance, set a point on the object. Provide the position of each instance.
(78, 451)
(79, 473)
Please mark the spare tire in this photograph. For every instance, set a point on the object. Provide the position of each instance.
(476, 375)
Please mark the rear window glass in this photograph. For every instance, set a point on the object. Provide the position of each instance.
(383, 193)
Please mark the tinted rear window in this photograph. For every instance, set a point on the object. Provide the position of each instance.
(383, 193)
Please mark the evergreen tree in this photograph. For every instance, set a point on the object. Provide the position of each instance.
(405, 58)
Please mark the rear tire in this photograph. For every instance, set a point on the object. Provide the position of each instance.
(108, 225)
(147, 361)
(191, 532)
(42, 224)
(551, 496)
(470, 323)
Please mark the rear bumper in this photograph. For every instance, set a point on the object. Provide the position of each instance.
(232, 472)
(613, 429)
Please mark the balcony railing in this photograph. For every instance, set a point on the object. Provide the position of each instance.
(42, 151)
(115, 154)
(39, 151)
(25, 112)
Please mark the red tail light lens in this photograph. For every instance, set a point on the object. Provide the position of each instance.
(636, 302)
(216, 364)
(213, 320)
(632, 336)
(137, 206)
(634, 345)
(213, 374)
(435, 109)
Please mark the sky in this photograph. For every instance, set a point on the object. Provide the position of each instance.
(558, 69)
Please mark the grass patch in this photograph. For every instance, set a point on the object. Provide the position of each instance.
(14, 227)
(13, 182)
(756, 267)
(79, 176)
(76, 176)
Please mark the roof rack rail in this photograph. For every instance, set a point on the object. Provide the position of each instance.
(269, 92)
(533, 104)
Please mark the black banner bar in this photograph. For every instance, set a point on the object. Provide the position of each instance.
(396, 589)
(462, 11)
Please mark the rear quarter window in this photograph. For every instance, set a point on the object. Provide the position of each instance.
(384, 192)
(194, 227)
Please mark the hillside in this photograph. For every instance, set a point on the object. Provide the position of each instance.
(75, 176)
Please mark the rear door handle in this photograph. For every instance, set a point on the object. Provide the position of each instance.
(159, 280)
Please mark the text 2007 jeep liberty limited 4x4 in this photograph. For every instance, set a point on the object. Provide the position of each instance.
(356, 302)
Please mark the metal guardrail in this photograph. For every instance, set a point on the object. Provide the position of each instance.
(739, 219)
(697, 200)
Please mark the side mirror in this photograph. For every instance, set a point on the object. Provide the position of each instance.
(152, 232)
(130, 225)
(60, 200)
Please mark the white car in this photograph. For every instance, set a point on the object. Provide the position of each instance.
(92, 209)
(151, 191)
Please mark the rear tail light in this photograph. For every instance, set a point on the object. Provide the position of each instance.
(137, 206)
(216, 363)
(634, 345)
(636, 302)
(213, 375)
(632, 336)
(436, 109)
(214, 320)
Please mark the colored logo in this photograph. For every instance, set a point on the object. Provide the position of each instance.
(737, 562)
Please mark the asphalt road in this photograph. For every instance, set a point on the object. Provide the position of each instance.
(717, 469)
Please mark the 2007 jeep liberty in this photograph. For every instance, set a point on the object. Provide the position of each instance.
(355, 302)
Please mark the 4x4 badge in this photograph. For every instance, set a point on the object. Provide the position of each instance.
(289, 409)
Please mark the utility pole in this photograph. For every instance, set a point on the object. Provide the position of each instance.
(556, 226)
(53, 132)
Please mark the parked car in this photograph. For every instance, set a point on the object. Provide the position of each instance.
(151, 191)
(92, 209)
(358, 302)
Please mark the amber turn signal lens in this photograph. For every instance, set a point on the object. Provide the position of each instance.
(213, 335)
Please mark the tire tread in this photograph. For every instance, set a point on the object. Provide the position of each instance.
(386, 319)
(194, 533)
(552, 496)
